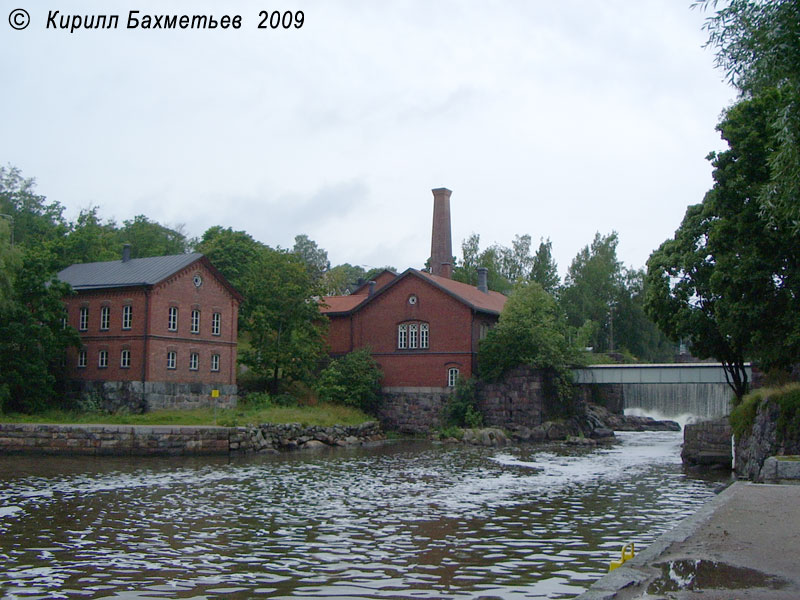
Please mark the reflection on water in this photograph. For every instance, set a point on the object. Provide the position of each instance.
(408, 520)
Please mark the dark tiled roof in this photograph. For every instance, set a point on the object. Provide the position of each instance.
(134, 272)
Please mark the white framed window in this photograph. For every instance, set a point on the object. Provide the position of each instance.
(105, 317)
(402, 336)
(195, 321)
(452, 377)
(83, 321)
(215, 362)
(216, 323)
(194, 361)
(127, 316)
(125, 359)
(172, 359)
(484, 331)
(172, 324)
(412, 335)
(102, 359)
(81, 359)
(423, 335)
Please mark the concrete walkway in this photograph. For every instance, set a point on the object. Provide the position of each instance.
(743, 545)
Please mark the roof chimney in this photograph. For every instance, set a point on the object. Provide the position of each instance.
(126, 252)
(372, 285)
(441, 244)
(482, 280)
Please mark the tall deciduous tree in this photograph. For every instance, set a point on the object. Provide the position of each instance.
(33, 340)
(544, 270)
(34, 221)
(232, 252)
(315, 258)
(149, 238)
(286, 330)
(758, 46)
(727, 282)
(592, 289)
(341, 279)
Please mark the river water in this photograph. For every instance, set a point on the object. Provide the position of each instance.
(402, 520)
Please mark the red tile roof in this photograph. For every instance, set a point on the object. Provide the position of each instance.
(491, 302)
(485, 301)
(337, 304)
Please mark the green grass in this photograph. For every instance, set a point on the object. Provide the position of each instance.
(324, 415)
(787, 397)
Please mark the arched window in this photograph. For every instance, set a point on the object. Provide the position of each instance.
(413, 335)
(452, 376)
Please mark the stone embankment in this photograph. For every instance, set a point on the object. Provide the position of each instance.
(708, 444)
(764, 440)
(265, 438)
(593, 425)
(137, 440)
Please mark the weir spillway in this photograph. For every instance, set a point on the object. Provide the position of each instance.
(671, 390)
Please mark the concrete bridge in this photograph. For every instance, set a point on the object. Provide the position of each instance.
(671, 390)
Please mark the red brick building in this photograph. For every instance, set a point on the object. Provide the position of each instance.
(422, 328)
(157, 332)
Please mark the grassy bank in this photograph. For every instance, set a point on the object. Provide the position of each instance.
(324, 415)
(787, 398)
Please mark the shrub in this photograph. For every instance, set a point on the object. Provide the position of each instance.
(352, 380)
(462, 409)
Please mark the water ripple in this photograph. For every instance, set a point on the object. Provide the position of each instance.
(401, 521)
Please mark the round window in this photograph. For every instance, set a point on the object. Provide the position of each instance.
(412, 299)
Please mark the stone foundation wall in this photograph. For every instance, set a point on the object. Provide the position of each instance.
(135, 397)
(608, 395)
(707, 444)
(160, 440)
(518, 399)
(412, 409)
(117, 440)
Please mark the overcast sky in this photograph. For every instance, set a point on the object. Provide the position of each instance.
(555, 119)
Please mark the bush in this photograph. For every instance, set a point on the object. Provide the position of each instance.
(352, 380)
(531, 331)
(462, 409)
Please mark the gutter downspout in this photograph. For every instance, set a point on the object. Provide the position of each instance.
(146, 340)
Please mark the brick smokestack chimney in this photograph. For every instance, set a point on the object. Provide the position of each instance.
(441, 243)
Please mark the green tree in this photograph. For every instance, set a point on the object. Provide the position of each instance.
(232, 252)
(33, 339)
(149, 238)
(282, 319)
(727, 282)
(531, 331)
(352, 380)
(496, 259)
(34, 221)
(592, 289)
(339, 280)
(89, 240)
(315, 258)
(544, 270)
(758, 47)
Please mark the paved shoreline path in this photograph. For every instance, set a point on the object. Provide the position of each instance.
(740, 546)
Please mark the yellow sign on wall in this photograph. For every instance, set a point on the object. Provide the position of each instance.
(215, 393)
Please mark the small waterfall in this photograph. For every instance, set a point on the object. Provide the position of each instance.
(674, 400)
